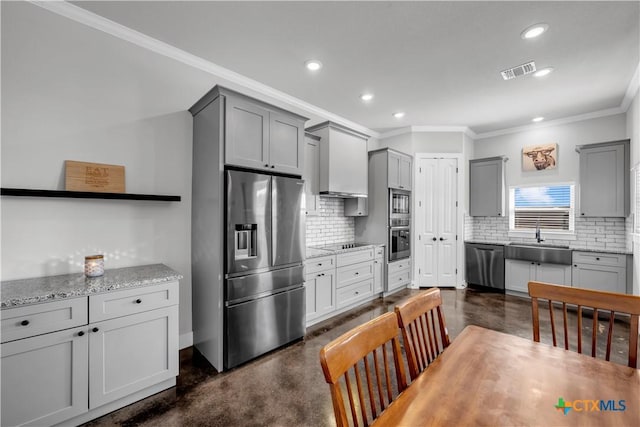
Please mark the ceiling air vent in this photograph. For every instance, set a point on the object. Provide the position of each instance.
(520, 70)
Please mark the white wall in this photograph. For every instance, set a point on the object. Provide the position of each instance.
(567, 136)
(61, 100)
(423, 142)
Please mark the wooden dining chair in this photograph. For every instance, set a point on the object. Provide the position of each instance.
(424, 331)
(359, 362)
(599, 302)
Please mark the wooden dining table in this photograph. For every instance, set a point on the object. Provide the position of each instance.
(488, 378)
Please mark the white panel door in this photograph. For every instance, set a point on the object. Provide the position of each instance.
(426, 227)
(446, 210)
(436, 190)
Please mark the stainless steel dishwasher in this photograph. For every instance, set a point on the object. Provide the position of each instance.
(485, 265)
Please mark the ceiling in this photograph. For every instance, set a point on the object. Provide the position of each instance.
(439, 62)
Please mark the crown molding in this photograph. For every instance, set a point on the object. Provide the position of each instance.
(428, 128)
(632, 89)
(578, 118)
(100, 23)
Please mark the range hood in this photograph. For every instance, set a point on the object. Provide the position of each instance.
(343, 161)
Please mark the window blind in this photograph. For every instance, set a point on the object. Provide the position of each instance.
(550, 207)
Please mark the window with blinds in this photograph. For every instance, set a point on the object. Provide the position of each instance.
(550, 206)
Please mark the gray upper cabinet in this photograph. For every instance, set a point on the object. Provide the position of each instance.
(247, 139)
(343, 160)
(604, 179)
(399, 170)
(486, 187)
(356, 207)
(258, 135)
(311, 174)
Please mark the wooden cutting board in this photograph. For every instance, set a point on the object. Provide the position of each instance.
(99, 177)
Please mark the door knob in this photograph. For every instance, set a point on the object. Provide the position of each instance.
(95, 329)
(434, 239)
(442, 238)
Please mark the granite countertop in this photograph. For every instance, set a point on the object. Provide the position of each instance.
(317, 251)
(581, 249)
(45, 289)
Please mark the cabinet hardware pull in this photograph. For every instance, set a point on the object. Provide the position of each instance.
(575, 265)
(434, 239)
(138, 301)
(24, 322)
(272, 166)
(266, 166)
(95, 329)
(357, 292)
(357, 273)
(81, 333)
(597, 258)
(582, 213)
(319, 264)
(442, 238)
(532, 263)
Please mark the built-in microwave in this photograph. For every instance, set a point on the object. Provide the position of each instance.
(399, 202)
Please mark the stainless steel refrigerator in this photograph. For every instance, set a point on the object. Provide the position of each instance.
(264, 294)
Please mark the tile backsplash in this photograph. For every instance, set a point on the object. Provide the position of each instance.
(331, 226)
(591, 233)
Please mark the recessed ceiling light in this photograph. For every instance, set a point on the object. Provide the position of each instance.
(534, 31)
(537, 119)
(543, 72)
(313, 64)
(398, 115)
(366, 96)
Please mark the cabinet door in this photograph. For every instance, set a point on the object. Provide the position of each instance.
(286, 144)
(404, 173)
(130, 353)
(356, 206)
(310, 286)
(517, 274)
(600, 278)
(602, 181)
(325, 293)
(247, 133)
(311, 176)
(486, 188)
(378, 284)
(394, 170)
(44, 378)
(553, 273)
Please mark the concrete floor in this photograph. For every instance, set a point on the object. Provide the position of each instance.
(286, 387)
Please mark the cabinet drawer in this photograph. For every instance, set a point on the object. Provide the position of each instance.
(399, 279)
(354, 273)
(320, 264)
(599, 258)
(36, 319)
(379, 252)
(131, 301)
(354, 257)
(355, 292)
(398, 266)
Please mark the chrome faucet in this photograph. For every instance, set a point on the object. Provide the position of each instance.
(538, 236)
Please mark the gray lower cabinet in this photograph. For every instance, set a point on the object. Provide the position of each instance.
(354, 277)
(604, 179)
(600, 271)
(399, 274)
(44, 378)
(320, 287)
(519, 273)
(378, 270)
(487, 187)
(80, 358)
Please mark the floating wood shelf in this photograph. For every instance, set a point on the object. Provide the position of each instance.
(23, 192)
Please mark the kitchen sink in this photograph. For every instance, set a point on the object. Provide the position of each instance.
(537, 252)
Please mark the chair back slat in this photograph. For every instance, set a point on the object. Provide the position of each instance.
(612, 317)
(366, 362)
(594, 301)
(594, 333)
(424, 331)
